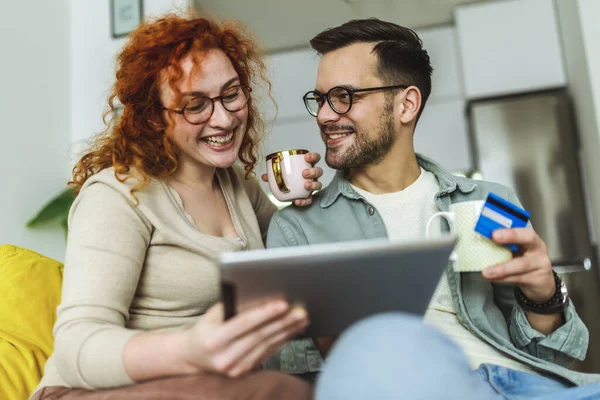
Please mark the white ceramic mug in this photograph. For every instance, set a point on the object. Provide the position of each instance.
(473, 251)
(284, 169)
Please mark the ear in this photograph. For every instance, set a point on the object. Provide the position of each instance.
(410, 100)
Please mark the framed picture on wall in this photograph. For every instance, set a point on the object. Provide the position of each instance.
(125, 15)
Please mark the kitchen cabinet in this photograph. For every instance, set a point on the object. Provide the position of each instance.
(509, 47)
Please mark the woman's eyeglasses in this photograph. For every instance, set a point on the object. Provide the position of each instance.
(200, 108)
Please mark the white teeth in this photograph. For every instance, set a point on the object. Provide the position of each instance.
(338, 135)
(218, 141)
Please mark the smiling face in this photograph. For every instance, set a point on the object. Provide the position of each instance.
(366, 133)
(216, 142)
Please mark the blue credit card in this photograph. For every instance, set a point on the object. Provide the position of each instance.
(498, 213)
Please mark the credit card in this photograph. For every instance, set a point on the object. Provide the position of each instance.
(498, 213)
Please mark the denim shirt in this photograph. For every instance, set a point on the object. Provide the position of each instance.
(489, 311)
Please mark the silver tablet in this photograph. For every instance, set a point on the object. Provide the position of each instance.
(338, 283)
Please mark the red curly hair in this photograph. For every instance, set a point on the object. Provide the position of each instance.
(139, 138)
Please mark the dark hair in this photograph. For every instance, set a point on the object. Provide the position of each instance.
(402, 59)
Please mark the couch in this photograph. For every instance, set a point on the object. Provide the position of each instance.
(30, 290)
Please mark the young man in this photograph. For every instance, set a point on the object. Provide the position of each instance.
(373, 81)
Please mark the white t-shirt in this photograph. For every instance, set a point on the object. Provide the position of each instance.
(405, 215)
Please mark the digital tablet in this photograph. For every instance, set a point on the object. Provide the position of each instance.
(338, 283)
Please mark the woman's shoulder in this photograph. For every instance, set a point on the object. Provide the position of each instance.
(121, 182)
(106, 193)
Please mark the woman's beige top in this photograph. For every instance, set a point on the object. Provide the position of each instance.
(132, 268)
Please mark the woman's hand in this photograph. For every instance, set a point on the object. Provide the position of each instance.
(313, 173)
(239, 345)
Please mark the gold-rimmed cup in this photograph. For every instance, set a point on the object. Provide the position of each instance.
(284, 170)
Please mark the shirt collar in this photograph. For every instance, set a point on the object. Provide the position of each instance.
(340, 186)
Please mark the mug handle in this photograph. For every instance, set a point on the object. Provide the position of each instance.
(451, 218)
(448, 216)
(278, 175)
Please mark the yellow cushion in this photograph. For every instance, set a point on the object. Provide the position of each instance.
(30, 289)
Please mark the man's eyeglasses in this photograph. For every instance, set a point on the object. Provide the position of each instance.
(339, 98)
(200, 108)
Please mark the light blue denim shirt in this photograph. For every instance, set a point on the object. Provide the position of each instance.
(489, 311)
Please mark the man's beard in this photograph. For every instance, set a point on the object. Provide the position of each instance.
(365, 150)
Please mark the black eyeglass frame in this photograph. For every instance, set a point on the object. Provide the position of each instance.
(350, 93)
(213, 100)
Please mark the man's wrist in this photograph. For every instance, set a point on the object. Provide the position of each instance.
(539, 295)
(555, 304)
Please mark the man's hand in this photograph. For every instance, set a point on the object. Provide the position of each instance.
(531, 268)
(313, 173)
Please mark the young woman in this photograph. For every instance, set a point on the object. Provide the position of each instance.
(159, 199)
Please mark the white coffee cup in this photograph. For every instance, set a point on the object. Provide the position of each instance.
(473, 251)
(284, 170)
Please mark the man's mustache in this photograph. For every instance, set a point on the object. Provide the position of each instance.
(336, 128)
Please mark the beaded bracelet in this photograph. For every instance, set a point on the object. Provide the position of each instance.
(556, 304)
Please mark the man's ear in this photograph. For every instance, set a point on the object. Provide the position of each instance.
(411, 104)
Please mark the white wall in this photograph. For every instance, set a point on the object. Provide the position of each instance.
(92, 65)
(57, 68)
(34, 109)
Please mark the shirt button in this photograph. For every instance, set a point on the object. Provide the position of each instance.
(371, 210)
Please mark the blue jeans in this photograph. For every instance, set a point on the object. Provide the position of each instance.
(395, 355)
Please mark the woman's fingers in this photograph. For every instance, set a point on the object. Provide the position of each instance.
(266, 349)
(244, 323)
(258, 342)
(268, 345)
